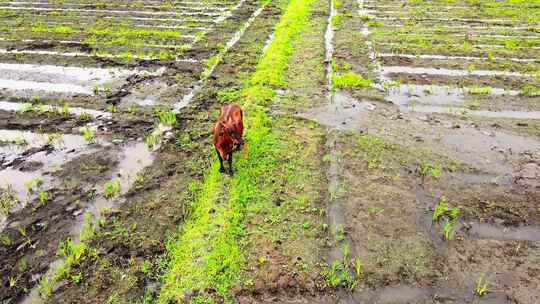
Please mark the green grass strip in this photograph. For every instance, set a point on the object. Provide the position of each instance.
(210, 249)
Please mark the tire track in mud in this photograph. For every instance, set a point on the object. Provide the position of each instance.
(343, 249)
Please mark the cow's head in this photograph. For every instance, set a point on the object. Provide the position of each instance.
(229, 128)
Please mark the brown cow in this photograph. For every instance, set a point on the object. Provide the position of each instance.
(228, 131)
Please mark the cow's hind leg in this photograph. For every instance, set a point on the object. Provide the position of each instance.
(231, 170)
(221, 168)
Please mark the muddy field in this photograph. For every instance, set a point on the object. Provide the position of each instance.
(392, 156)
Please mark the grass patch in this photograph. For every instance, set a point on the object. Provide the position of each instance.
(209, 251)
(350, 80)
(478, 90)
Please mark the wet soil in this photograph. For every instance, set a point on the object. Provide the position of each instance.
(165, 190)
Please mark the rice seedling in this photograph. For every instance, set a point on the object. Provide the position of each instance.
(12, 282)
(440, 209)
(21, 141)
(358, 267)
(87, 133)
(350, 80)
(43, 197)
(427, 169)
(448, 228)
(6, 240)
(112, 109)
(64, 110)
(166, 117)
(8, 199)
(24, 234)
(152, 139)
(478, 90)
(112, 189)
(84, 116)
(45, 288)
(27, 108)
(481, 286)
(33, 183)
(530, 90)
(53, 137)
(88, 230)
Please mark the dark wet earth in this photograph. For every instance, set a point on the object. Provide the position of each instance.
(79, 115)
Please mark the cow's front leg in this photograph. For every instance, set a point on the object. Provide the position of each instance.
(231, 170)
(221, 168)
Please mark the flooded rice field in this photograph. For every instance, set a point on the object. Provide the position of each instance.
(75, 78)
(392, 156)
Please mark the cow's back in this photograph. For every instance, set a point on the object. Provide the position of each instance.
(234, 113)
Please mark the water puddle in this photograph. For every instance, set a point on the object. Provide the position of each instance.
(397, 294)
(136, 157)
(442, 19)
(28, 87)
(198, 6)
(17, 106)
(486, 46)
(107, 11)
(480, 34)
(499, 232)
(446, 72)
(81, 54)
(78, 75)
(407, 94)
(29, 159)
(489, 151)
(345, 113)
(445, 57)
(477, 113)
(23, 80)
(149, 93)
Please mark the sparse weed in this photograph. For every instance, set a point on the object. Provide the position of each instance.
(430, 170)
(350, 80)
(372, 149)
